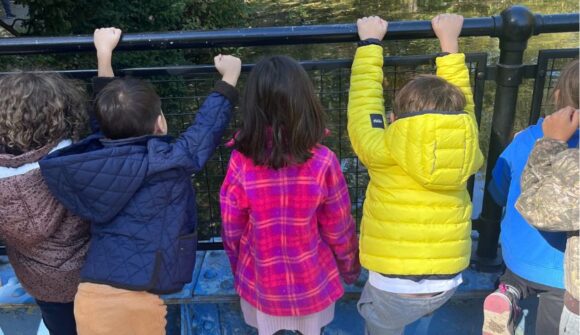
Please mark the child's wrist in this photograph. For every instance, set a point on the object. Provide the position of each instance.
(451, 47)
(104, 55)
(371, 37)
(104, 65)
(230, 79)
(103, 50)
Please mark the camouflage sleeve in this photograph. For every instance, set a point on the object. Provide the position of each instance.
(550, 187)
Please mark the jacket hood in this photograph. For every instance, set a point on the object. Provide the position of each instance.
(96, 178)
(440, 150)
(10, 161)
(16, 165)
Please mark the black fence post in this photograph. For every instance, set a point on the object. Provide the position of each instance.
(514, 26)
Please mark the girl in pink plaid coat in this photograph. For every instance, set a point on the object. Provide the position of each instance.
(287, 227)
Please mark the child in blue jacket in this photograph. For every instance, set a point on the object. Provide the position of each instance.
(534, 259)
(133, 183)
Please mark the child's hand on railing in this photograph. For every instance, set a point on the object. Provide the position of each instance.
(229, 67)
(447, 28)
(106, 39)
(371, 27)
(561, 125)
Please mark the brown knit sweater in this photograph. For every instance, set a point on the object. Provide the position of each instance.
(46, 244)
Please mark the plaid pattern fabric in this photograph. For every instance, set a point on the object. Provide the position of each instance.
(289, 233)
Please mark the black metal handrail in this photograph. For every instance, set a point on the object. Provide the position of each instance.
(333, 33)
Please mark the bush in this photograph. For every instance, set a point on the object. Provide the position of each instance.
(63, 17)
(72, 17)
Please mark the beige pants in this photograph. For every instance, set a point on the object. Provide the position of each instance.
(105, 310)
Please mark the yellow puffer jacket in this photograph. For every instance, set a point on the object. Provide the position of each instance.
(417, 213)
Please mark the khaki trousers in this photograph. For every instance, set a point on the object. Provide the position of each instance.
(105, 310)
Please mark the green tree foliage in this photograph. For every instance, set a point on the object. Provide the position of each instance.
(65, 17)
(181, 97)
(72, 17)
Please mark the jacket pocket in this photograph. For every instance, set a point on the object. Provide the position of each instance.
(187, 246)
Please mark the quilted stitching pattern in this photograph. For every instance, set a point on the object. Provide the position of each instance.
(139, 197)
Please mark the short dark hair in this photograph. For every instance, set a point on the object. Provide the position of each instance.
(127, 107)
(282, 117)
(428, 92)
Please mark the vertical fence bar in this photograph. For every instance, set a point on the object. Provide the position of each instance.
(516, 25)
(544, 58)
(538, 93)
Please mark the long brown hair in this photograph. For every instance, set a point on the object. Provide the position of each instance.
(37, 109)
(282, 117)
(565, 92)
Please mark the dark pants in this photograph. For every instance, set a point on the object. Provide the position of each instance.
(551, 301)
(59, 318)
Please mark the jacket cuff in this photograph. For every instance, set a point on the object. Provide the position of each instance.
(544, 150)
(227, 90)
(100, 82)
(552, 144)
(450, 59)
(369, 41)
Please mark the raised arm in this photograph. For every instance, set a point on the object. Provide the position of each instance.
(550, 181)
(451, 67)
(199, 141)
(105, 40)
(366, 111)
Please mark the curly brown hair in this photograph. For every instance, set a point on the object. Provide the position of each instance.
(37, 109)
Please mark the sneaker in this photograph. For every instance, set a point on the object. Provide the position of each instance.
(500, 311)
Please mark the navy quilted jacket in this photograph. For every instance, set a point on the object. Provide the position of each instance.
(137, 193)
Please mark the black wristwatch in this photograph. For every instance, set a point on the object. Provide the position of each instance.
(369, 41)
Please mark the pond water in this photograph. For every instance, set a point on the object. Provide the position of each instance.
(293, 12)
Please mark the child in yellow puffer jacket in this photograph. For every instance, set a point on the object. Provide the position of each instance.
(416, 226)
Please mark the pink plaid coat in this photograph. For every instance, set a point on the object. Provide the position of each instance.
(289, 233)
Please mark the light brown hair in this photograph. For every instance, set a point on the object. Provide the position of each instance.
(565, 92)
(37, 109)
(428, 92)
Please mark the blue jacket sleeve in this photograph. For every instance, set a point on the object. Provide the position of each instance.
(500, 179)
(199, 141)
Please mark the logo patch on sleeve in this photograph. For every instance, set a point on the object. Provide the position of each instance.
(377, 121)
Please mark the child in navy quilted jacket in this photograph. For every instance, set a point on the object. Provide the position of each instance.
(133, 183)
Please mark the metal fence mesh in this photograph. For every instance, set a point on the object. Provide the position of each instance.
(555, 65)
(550, 65)
(183, 95)
(183, 90)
